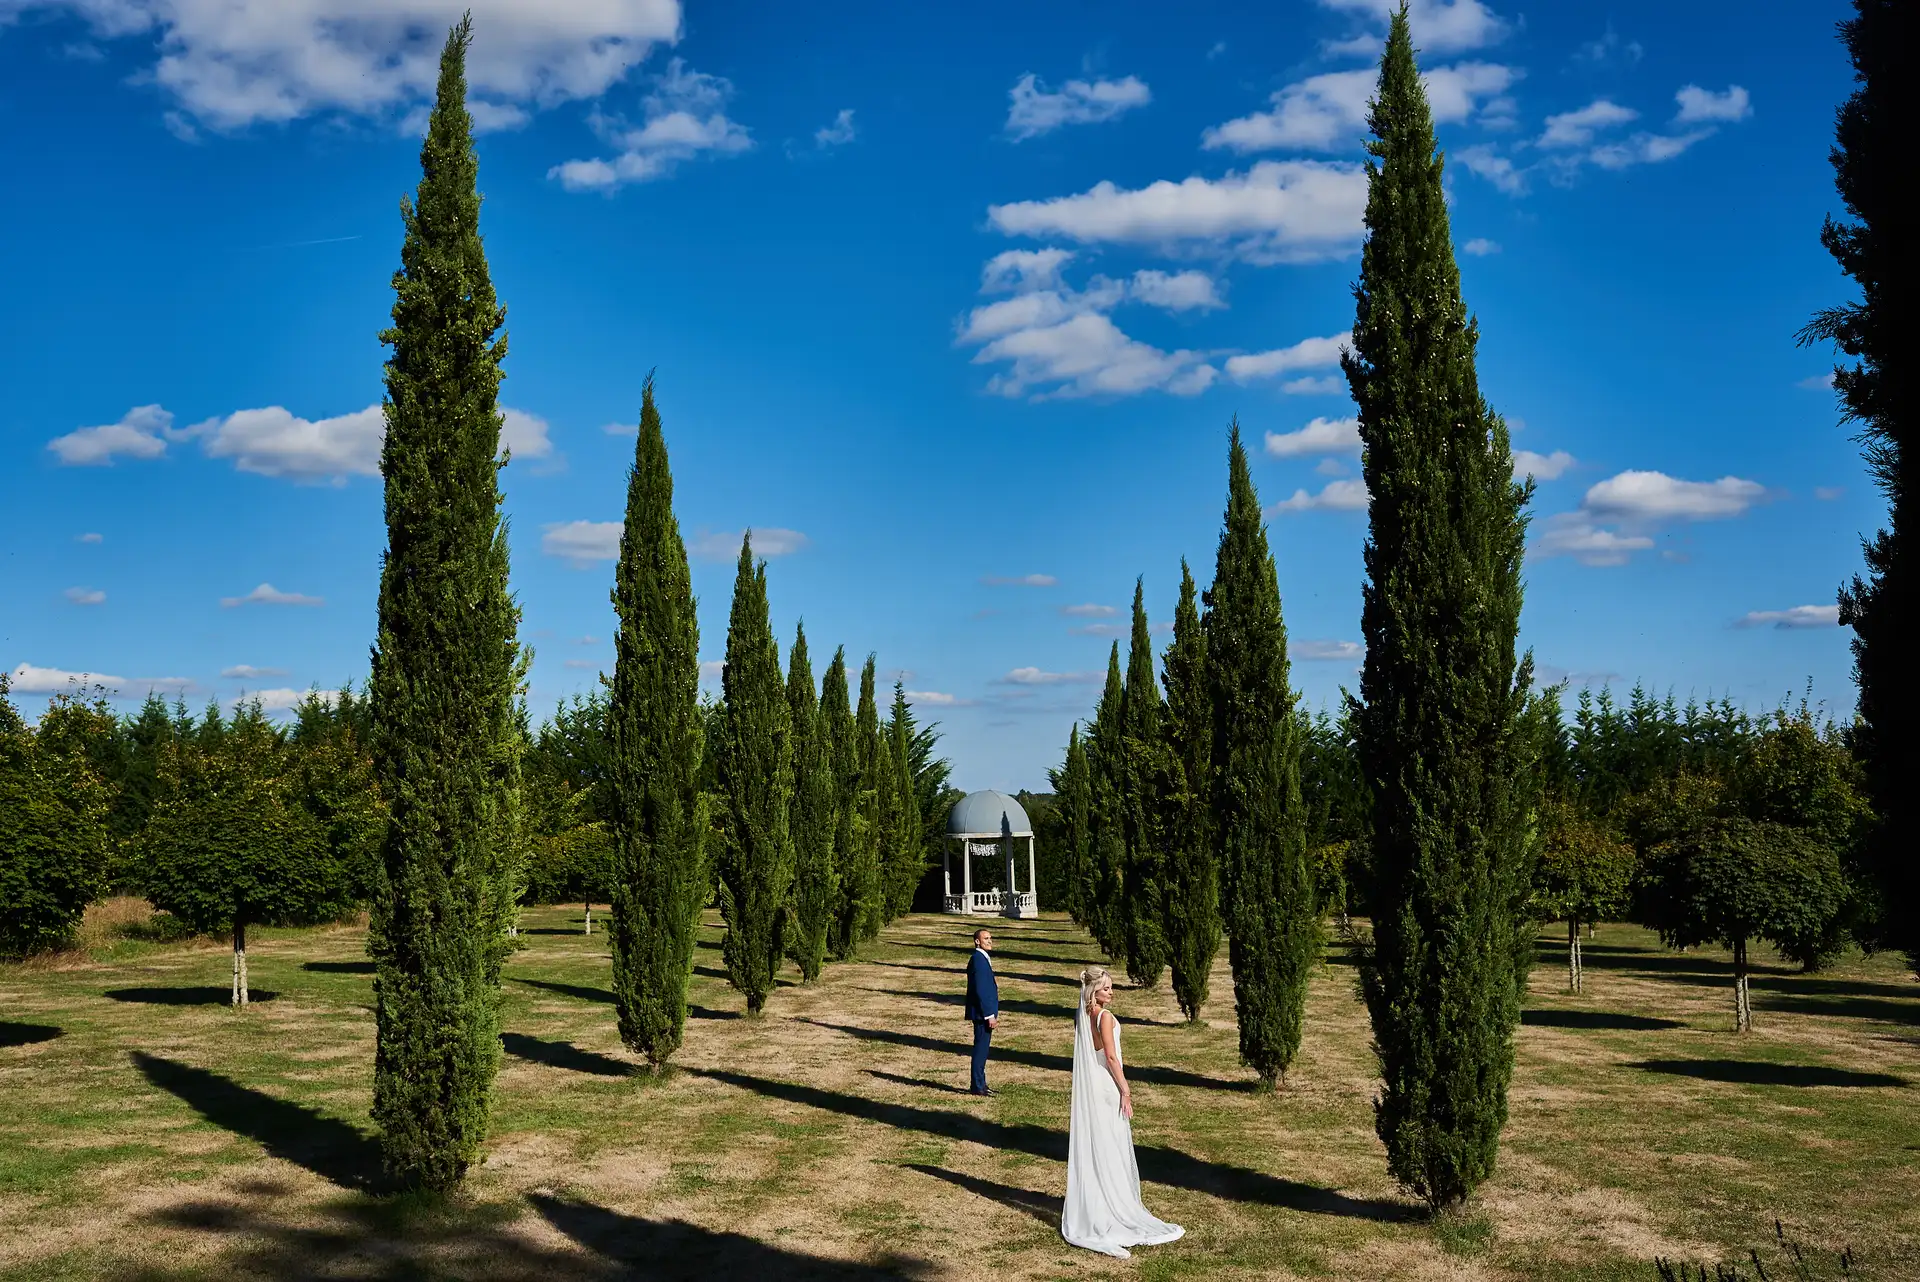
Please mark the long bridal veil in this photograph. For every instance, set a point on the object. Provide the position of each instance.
(1103, 1211)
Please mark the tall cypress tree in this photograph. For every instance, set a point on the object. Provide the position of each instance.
(1438, 736)
(653, 751)
(854, 882)
(1873, 142)
(1191, 880)
(1144, 895)
(870, 830)
(1106, 828)
(756, 778)
(1258, 823)
(445, 667)
(1074, 787)
(815, 885)
(910, 853)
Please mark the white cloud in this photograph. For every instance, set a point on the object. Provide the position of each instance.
(1020, 581)
(1655, 496)
(525, 434)
(275, 442)
(938, 699)
(1336, 496)
(683, 118)
(89, 538)
(1645, 149)
(1438, 25)
(231, 63)
(1331, 385)
(86, 596)
(1178, 292)
(724, 545)
(247, 672)
(1328, 112)
(1033, 110)
(1699, 105)
(267, 594)
(1610, 48)
(712, 669)
(28, 679)
(283, 698)
(1088, 611)
(1308, 353)
(839, 133)
(1327, 651)
(581, 543)
(1577, 128)
(1101, 630)
(1799, 616)
(1293, 210)
(1827, 493)
(1495, 168)
(1541, 467)
(1330, 467)
(1024, 270)
(1574, 534)
(1039, 677)
(580, 665)
(1480, 247)
(1817, 382)
(142, 432)
(1321, 436)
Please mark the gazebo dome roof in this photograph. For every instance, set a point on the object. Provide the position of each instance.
(978, 814)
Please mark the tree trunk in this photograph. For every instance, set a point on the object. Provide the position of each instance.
(239, 963)
(1573, 955)
(589, 929)
(1742, 1005)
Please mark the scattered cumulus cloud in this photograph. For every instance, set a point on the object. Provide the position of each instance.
(1321, 436)
(580, 665)
(29, 679)
(1034, 110)
(1308, 353)
(1100, 630)
(724, 545)
(1616, 517)
(1541, 467)
(1699, 105)
(1089, 611)
(1336, 496)
(1439, 26)
(1827, 493)
(1609, 49)
(1328, 112)
(1483, 161)
(88, 538)
(1799, 616)
(284, 698)
(1041, 677)
(86, 596)
(683, 118)
(1818, 382)
(1578, 128)
(581, 543)
(276, 442)
(248, 672)
(839, 133)
(938, 699)
(1480, 247)
(1327, 651)
(1574, 534)
(267, 594)
(1176, 292)
(712, 669)
(525, 435)
(1329, 385)
(1020, 581)
(141, 433)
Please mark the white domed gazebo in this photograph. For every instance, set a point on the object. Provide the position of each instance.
(988, 823)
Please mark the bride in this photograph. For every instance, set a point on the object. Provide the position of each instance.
(1103, 1210)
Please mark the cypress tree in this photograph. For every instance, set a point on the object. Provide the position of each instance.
(855, 888)
(1258, 823)
(653, 751)
(910, 848)
(1074, 788)
(1191, 880)
(812, 821)
(871, 825)
(1144, 895)
(1873, 147)
(756, 777)
(445, 668)
(1439, 733)
(1107, 841)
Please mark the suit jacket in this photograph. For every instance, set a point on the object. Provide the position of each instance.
(983, 992)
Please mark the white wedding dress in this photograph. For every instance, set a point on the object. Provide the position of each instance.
(1103, 1211)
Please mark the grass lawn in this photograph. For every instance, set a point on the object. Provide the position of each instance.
(149, 1132)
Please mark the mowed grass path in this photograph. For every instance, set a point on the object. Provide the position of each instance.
(148, 1132)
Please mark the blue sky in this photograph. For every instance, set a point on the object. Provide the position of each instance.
(953, 306)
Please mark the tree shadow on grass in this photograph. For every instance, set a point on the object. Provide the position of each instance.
(580, 991)
(1868, 1008)
(920, 1083)
(1544, 1018)
(1161, 1165)
(714, 972)
(549, 930)
(295, 1133)
(203, 995)
(1041, 1207)
(1019, 1006)
(1659, 963)
(563, 1055)
(12, 1034)
(672, 1249)
(1037, 1059)
(708, 1012)
(1749, 1072)
(1089, 955)
(959, 973)
(339, 967)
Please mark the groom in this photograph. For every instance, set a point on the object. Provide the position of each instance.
(983, 1005)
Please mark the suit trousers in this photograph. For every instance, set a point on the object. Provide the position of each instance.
(982, 1039)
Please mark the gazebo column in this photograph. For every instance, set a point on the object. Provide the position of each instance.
(1033, 880)
(946, 874)
(966, 873)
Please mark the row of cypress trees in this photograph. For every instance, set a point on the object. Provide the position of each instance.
(1173, 806)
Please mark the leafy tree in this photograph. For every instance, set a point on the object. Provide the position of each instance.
(232, 847)
(1873, 147)
(331, 774)
(1438, 736)
(53, 838)
(858, 880)
(445, 669)
(1257, 820)
(1143, 899)
(652, 758)
(1585, 875)
(756, 776)
(910, 858)
(1732, 881)
(1107, 842)
(816, 885)
(870, 822)
(1190, 880)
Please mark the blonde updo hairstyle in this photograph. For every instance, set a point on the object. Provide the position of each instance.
(1092, 980)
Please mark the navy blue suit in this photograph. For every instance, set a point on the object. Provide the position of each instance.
(983, 1003)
